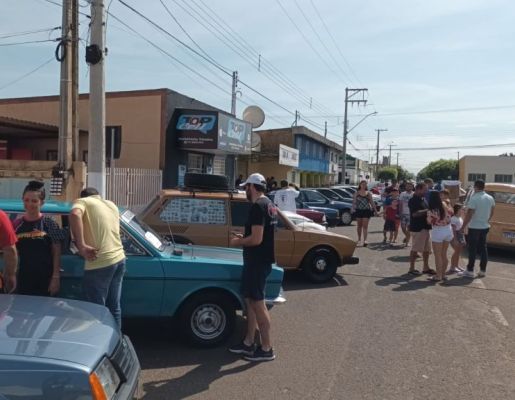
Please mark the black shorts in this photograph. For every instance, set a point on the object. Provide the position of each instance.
(389, 225)
(363, 213)
(253, 279)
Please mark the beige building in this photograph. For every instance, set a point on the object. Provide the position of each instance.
(159, 129)
(499, 169)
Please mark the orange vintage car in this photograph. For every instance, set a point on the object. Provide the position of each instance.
(502, 230)
(204, 217)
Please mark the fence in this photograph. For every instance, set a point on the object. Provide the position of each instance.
(133, 187)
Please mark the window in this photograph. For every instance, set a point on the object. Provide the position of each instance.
(503, 197)
(499, 178)
(239, 212)
(329, 194)
(314, 197)
(475, 177)
(51, 155)
(194, 211)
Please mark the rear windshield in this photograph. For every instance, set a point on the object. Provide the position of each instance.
(503, 197)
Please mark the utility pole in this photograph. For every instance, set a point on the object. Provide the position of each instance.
(95, 56)
(397, 160)
(297, 116)
(65, 91)
(377, 148)
(390, 154)
(349, 98)
(75, 80)
(233, 92)
(325, 129)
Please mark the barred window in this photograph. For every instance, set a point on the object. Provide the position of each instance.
(501, 178)
(475, 177)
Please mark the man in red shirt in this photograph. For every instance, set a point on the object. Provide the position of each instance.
(8, 245)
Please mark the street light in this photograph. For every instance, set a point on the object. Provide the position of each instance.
(345, 133)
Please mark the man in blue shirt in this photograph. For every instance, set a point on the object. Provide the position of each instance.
(480, 209)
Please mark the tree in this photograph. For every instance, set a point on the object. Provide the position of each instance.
(387, 174)
(440, 170)
(403, 174)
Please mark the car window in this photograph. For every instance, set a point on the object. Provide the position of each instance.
(503, 197)
(343, 193)
(330, 194)
(194, 211)
(315, 197)
(239, 212)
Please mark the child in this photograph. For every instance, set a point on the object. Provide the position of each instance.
(386, 198)
(458, 242)
(391, 216)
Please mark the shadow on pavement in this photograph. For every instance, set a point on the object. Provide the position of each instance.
(295, 280)
(158, 348)
(399, 258)
(381, 246)
(406, 282)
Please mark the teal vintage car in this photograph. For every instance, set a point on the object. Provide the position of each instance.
(197, 288)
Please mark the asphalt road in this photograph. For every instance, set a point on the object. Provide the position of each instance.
(372, 333)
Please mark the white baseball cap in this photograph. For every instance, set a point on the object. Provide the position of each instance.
(255, 179)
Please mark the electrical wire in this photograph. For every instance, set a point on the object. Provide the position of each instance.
(29, 42)
(25, 33)
(27, 74)
(471, 146)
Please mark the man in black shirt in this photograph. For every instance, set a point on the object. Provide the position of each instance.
(258, 257)
(419, 229)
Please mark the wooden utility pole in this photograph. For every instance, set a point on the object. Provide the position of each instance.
(65, 143)
(377, 148)
(75, 80)
(233, 92)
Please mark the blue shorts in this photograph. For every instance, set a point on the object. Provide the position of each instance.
(253, 280)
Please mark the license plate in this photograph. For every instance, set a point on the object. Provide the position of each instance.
(509, 235)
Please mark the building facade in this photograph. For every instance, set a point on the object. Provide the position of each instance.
(499, 169)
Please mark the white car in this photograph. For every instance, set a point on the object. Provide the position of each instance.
(303, 222)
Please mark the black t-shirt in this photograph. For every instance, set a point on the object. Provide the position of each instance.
(416, 224)
(262, 212)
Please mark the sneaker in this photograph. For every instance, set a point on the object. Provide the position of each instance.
(242, 348)
(481, 274)
(466, 274)
(261, 355)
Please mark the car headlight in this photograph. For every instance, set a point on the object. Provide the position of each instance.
(104, 380)
(324, 219)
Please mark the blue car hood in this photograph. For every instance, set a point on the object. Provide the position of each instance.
(214, 253)
(57, 329)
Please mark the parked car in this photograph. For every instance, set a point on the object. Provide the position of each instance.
(347, 193)
(51, 348)
(302, 222)
(331, 215)
(331, 194)
(502, 224)
(207, 218)
(344, 193)
(317, 217)
(197, 288)
(311, 198)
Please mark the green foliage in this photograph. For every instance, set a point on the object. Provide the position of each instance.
(403, 174)
(440, 170)
(387, 173)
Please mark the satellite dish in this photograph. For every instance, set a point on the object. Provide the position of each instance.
(254, 115)
(255, 141)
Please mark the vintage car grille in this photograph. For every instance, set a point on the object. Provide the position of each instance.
(123, 359)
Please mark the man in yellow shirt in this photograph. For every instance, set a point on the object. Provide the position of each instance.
(95, 225)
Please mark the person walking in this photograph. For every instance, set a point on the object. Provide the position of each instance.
(95, 226)
(480, 209)
(284, 198)
(258, 257)
(439, 218)
(404, 199)
(10, 255)
(39, 246)
(420, 230)
(362, 206)
(391, 217)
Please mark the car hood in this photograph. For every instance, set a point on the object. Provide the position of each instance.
(57, 329)
(208, 252)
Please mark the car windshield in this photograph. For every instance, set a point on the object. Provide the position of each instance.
(143, 229)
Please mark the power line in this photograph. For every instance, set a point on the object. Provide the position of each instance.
(25, 33)
(29, 42)
(479, 146)
(307, 40)
(27, 74)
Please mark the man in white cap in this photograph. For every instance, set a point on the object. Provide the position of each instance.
(258, 257)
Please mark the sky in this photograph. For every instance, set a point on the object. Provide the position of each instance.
(438, 73)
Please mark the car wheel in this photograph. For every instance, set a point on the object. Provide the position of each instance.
(320, 265)
(207, 319)
(346, 217)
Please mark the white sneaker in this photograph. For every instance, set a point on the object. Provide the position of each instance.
(467, 274)
(481, 274)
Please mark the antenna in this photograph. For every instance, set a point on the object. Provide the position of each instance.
(176, 251)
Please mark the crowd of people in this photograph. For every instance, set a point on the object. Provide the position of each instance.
(430, 224)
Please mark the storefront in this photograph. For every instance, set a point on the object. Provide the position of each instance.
(204, 142)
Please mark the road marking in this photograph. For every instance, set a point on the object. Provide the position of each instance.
(499, 316)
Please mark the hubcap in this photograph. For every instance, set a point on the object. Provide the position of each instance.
(208, 321)
(320, 264)
(346, 218)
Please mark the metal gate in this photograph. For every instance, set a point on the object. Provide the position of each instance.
(132, 187)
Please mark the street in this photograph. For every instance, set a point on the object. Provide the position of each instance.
(372, 333)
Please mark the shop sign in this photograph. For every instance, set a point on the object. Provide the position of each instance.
(233, 135)
(197, 129)
(288, 156)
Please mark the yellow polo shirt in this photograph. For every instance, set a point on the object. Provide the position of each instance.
(101, 222)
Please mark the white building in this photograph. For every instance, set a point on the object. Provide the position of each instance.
(500, 169)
